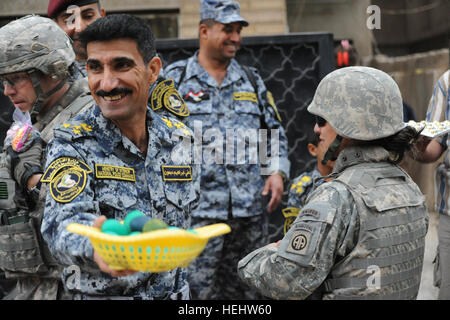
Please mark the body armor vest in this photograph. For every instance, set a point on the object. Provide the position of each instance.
(386, 262)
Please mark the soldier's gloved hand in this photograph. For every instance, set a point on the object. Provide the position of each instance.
(26, 164)
(103, 266)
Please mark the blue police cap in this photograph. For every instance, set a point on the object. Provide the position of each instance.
(222, 11)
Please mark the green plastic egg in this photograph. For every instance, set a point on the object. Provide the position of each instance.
(154, 224)
(135, 233)
(112, 225)
(130, 216)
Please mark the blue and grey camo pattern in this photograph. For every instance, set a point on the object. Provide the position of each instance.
(223, 11)
(360, 103)
(302, 186)
(337, 238)
(93, 139)
(227, 187)
(33, 42)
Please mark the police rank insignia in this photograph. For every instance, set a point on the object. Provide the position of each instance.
(166, 95)
(67, 177)
(176, 173)
(103, 171)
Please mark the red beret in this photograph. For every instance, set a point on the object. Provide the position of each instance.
(56, 6)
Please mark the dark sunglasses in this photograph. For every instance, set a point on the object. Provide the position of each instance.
(320, 121)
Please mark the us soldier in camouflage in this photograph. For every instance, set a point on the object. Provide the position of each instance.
(362, 235)
(123, 133)
(224, 96)
(36, 61)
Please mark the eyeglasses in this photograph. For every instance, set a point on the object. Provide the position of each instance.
(15, 80)
(320, 121)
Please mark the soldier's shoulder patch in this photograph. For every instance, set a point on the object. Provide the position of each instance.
(166, 95)
(67, 177)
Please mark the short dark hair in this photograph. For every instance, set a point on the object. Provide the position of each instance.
(120, 26)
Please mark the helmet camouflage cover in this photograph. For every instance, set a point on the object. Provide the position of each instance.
(35, 42)
(359, 103)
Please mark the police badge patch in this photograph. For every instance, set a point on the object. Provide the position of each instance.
(68, 184)
(67, 177)
(165, 95)
(290, 214)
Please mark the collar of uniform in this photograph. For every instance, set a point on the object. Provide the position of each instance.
(194, 69)
(110, 135)
(359, 154)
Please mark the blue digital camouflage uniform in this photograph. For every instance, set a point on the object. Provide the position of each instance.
(80, 193)
(301, 188)
(229, 190)
(361, 236)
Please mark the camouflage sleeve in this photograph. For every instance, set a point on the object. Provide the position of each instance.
(78, 206)
(279, 159)
(322, 231)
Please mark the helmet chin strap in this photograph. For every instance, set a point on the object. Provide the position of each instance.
(329, 155)
(41, 95)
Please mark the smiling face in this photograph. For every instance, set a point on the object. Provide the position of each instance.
(222, 41)
(75, 19)
(118, 78)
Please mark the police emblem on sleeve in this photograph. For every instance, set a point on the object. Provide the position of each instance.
(67, 177)
(165, 95)
(290, 214)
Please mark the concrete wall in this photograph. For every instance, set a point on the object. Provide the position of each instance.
(265, 17)
(344, 18)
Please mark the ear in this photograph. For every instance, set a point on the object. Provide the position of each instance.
(154, 66)
(102, 12)
(312, 149)
(203, 31)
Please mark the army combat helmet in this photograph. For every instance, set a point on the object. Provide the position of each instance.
(359, 103)
(31, 44)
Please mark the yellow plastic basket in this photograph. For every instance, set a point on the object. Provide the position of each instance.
(156, 251)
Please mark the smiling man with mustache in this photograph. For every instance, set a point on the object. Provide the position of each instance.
(133, 149)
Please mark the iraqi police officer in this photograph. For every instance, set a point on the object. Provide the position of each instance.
(73, 16)
(122, 133)
(36, 61)
(225, 100)
(361, 235)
